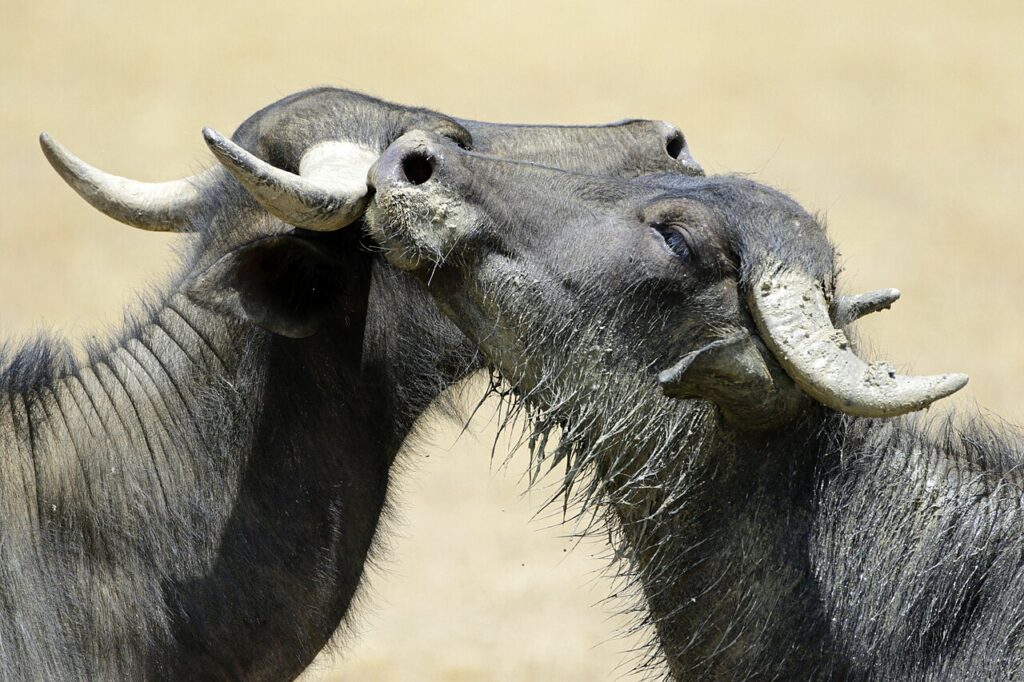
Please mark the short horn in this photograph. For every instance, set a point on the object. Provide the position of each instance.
(792, 316)
(329, 192)
(847, 309)
(157, 206)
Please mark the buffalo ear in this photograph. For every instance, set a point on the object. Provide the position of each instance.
(736, 374)
(285, 284)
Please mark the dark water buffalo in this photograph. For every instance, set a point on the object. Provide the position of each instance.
(807, 526)
(196, 498)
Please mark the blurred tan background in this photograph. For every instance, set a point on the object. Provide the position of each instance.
(904, 122)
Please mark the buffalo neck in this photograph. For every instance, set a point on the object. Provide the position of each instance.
(916, 545)
(203, 495)
(716, 535)
(840, 547)
(336, 409)
(121, 474)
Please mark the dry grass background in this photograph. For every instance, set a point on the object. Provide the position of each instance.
(904, 122)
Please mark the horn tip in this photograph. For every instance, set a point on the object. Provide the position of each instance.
(227, 152)
(68, 166)
(215, 141)
(52, 149)
(955, 381)
(946, 385)
(671, 375)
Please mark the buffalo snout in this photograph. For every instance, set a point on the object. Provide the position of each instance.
(419, 212)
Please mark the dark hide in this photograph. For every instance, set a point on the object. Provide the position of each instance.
(828, 547)
(198, 497)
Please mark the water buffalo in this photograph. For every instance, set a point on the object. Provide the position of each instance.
(784, 512)
(196, 497)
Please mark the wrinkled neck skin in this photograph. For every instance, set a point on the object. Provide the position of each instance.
(917, 548)
(198, 499)
(839, 548)
(832, 548)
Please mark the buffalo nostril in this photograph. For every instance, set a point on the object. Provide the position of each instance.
(674, 144)
(417, 167)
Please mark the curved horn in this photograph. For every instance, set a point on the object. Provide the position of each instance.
(156, 206)
(792, 315)
(329, 192)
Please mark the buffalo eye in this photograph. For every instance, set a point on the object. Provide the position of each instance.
(674, 240)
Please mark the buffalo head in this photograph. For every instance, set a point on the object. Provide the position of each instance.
(724, 284)
(302, 163)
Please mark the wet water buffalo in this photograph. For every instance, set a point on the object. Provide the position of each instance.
(783, 511)
(197, 496)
